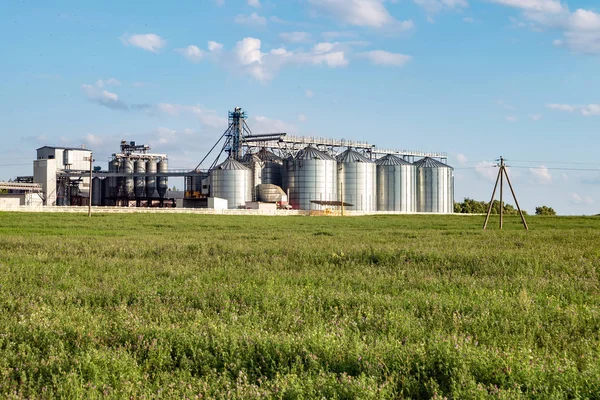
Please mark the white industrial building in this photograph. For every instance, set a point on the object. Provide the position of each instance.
(50, 160)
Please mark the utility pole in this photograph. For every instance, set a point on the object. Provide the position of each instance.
(501, 175)
(91, 180)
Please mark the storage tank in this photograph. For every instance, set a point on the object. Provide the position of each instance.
(272, 168)
(113, 182)
(357, 179)
(232, 181)
(151, 179)
(140, 181)
(162, 181)
(269, 193)
(311, 175)
(97, 191)
(435, 186)
(396, 185)
(127, 167)
(254, 164)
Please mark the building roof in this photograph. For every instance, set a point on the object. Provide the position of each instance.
(310, 153)
(63, 148)
(391, 159)
(430, 163)
(352, 156)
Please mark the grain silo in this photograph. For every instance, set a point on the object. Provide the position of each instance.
(151, 169)
(396, 185)
(435, 186)
(232, 181)
(357, 181)
(163, 181)
(140, 181)
(311, 176)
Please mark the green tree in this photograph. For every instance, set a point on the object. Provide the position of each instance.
(544, 210)
(470, 206)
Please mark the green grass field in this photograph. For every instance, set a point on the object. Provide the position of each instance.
(190, 306)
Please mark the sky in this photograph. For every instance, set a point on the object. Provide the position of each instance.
(477, 79)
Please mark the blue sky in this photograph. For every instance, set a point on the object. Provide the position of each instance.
(474, 78)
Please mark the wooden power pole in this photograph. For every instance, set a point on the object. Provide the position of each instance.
(501, 175)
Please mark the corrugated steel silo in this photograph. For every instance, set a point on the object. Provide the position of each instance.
(151, 168)
(97, 191)
(396, 184)
(163, 181)
(435, 186)
(232, 181)
(140, 181)
(311, 175)
(127, 166)
(272, 168)
(358, 181)
(113, 182)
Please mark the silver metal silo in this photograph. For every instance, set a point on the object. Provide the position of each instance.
(435, 186)
(232, 181)
(311, 175)
(97, 191)
(357, 180)
(151, 169)
(396, 185)
(113, 182)
(272, 168)
(140, 181)
(163, 181)
(127, 166)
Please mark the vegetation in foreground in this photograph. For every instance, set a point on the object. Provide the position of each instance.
(186, 306)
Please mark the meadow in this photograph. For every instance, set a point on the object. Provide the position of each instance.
(244, 307)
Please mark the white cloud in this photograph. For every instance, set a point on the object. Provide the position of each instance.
(269, 125)
(435, 6)
(364, 13)
(545, 6)
(380, 57)
(302, 118)
(511, 118)
(103, 97)
(253, 20)
(192, 53)
(254, 3)
(296, 37)
(587, 111)
(108, 82)
(214, 46)
(461, 159)
(487, 170)
(541, 175)
(220, 3)
(576, 199)
(581, 28)
(504, 105)
(309, 94)
(561, 107)
(468, 20)
(536, 117)
(206, 117)
(333, 35)
(148, 41)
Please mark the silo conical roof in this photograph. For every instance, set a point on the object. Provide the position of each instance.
(350, 156)
(231, 164)
(268, 156)
(310, 153)
(391, 159)
(428, 162)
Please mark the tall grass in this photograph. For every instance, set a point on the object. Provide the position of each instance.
(189, 306)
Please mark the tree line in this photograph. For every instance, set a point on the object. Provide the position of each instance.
(471, 206)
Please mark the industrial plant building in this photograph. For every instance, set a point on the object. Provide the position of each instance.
(250, 170)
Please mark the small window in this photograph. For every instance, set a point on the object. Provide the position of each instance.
(50, 157)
